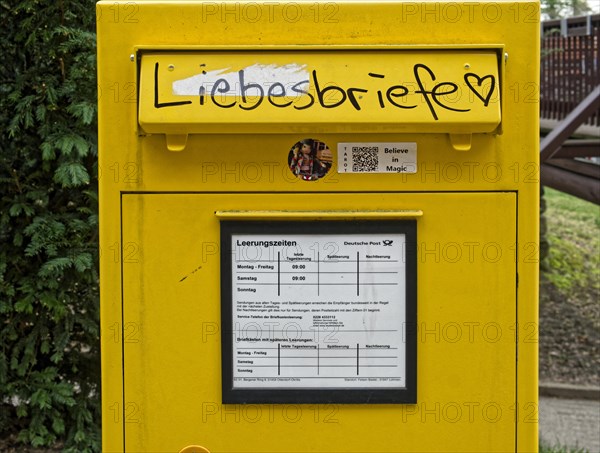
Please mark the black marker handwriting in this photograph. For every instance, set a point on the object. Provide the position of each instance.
(248, 95)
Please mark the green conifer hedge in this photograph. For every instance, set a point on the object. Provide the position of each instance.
(49, 326)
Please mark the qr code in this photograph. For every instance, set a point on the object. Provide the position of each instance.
(365, 159)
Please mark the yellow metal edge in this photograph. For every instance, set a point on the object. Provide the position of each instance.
(317, 215)
(528, 288)
(111, 357)
(527, 420)
(502, 62)
(528, 316)
(142, 48)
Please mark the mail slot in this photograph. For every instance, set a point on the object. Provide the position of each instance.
(318, 226)
(457, 92)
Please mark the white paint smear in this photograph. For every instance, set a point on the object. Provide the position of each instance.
(264, 75)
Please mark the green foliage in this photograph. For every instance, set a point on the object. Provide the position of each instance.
(49, 326)
(560, 449)
(558, 9)
(574, 258)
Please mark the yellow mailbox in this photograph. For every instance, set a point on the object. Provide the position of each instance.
(318, 226)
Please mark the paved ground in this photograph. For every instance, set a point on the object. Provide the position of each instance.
(569, 422)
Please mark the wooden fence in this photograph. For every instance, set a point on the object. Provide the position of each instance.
(570, 105)
(570, 66)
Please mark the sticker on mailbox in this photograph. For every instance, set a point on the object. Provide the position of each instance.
(400, 157)
(309, 159)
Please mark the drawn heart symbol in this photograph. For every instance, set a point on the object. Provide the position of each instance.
(480, 80)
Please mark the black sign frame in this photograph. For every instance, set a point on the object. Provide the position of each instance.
(350, 395)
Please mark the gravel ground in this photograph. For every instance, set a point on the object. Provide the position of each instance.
(569, 336)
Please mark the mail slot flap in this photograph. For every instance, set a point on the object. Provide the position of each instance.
(449, 91)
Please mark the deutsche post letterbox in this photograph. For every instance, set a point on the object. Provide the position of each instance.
(318, 226)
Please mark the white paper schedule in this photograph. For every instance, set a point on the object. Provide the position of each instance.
(319, 311)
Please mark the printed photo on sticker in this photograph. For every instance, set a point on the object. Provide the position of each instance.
(310, 159)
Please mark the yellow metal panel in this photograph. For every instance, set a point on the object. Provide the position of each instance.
(466, 350)
(143, 323)
(256, 91)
